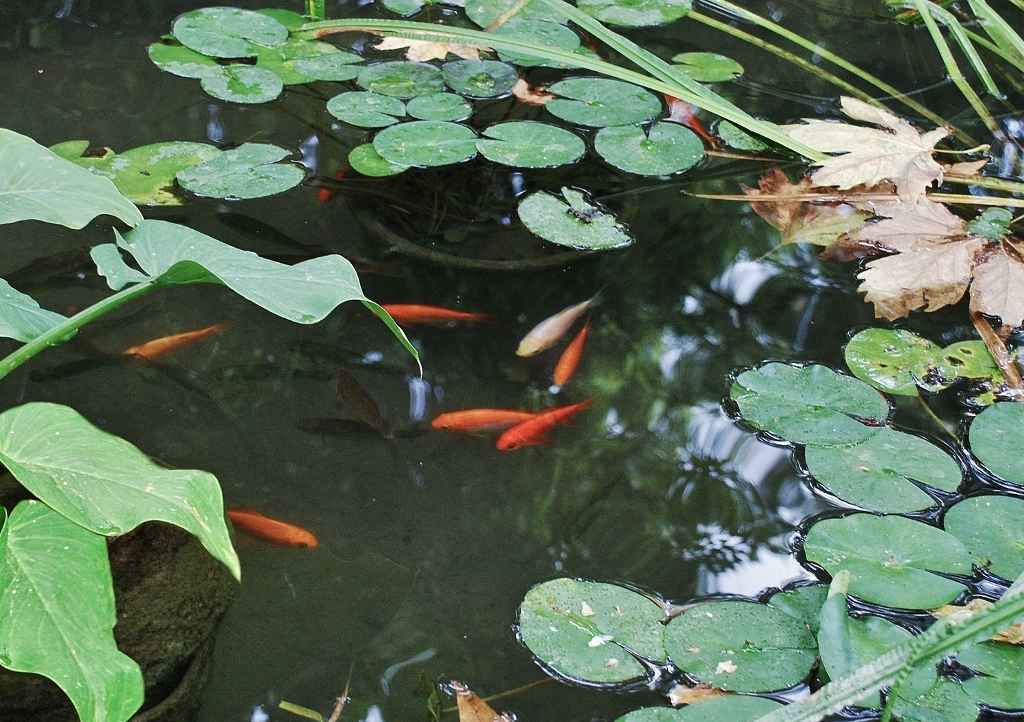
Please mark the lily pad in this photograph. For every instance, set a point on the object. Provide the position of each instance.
(243, 84)
(401, 79)
(480, 78)
(662, 149)
(969, 360)
(810, 405)
(993, 223)
(21, 318)
(735, 708)
(741, 646)
(924, 696)
(366, 110)
(290, 19)
(176, 59)
(574, 222)
(224, 32)
(366, 160)
(529, 144)
(426, 143)
(485, 12)
(992, 529)
(283, 58)
(636, 13)
(576, 628)
(803, 602)
(601, 101)
(996, 437)
(891, 559)
(249, 171)
(1001, 682)
(542, 32)
(894, 360)
(875, 474)
(708, 67)
(439, 106)
(735, 137)
(336, 66)
(404, 7)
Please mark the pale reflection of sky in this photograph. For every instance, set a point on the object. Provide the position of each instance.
(751, 577)
(742, 280)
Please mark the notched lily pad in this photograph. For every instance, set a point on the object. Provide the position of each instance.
(735, 137)
(249, 171)
(529, 144)
(601, 102)
(662, 149)
(574, 222)
(894, 360)
(636, 13)
(366, 110)
(366, 160)
(176, 59)
(283, 59)
(708, 67)
(401, 79)
(992, 529)
(485, 12)
(480, 78)
(426, 143)
(542, 32)
(735, 708)
(996, 438)
(336, 66)
(225, 32)
(243, 84)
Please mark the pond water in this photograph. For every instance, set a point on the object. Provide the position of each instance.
(428, 543)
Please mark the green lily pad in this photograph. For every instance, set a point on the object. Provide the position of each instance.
(21, 318)
(924, 696)
(993, 223)
(894, 360)
(662, 149)
(875, 474)
(969, 360)
(1001, 682)
(741, 646)
(290, 19)
(636, 13)
(426, 143)
(803, 602)
(439, 106)
(249, 171)
(996, 437)
(65, 635)
(601, 101)
(401, 79)
(735, 708)
(366, 160)
(529, 144)
(224, 32)
(542, 32)
(735, 137)
(992, 529)
(708, 67)
(576, 628)
(404, 7)
(283, 59)
(366, 110)
(574, 222)
(480, 78)
(176, 59)
(336, 66)
(243, 84)
(890, 559)
(810, 405)
(485, 12)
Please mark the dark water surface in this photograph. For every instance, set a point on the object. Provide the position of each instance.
(428, 545)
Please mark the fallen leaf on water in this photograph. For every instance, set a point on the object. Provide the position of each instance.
(998, 287)
(966, 168)
(529, 95)
(474, 709)
(903, 225)
(681, 694)
(421, 51)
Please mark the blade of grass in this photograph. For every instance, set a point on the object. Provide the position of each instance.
(996, 26)
(1000, 51)
(955, 29)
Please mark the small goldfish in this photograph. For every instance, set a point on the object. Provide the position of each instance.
(254, 524)
(679, 111)
(570, 358)
(412, 313)
(533, 431)
(326, 193)
(169, 344)
(481, 421)
(546, 333)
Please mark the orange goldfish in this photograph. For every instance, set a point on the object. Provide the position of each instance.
(679, 111)
(412, 313)
(546, 333)
(533, 431)
(570, 358)
(254, 524)
(326, 193)
(169, 344)
(481, 421)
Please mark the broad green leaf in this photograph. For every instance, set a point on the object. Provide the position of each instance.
(529, 144)
(735, 137)
(741, 646)
(249, 171)
(993, 223)
(576, 627)
(736, 708)
(404, 7)
(439, 106)
(70, 149)
(875, 474)
(176, 59)
(992, 529)
(636, 13)
(37, 184)
(602, 101)
(103, 483)
(366, 160)
(401, 79)
(574, 222)
(366, 110)
(996, 438)
(291, 20)
(480, 78)
(661, 149)
(243, 84)
(803, 602)
(336, 66)
(1001, 682)
(894, 360)
(926, 697)
(810, 405)
(542, 32)
(707, 67)
(426, 143)
(21, 318)
(969, 360)
(485, 12)
(57, 613)
(890, 559)
(224, 32)
(283, 58)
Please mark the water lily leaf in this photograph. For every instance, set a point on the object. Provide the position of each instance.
(21, 318)
(290, 19)
(243, 84)
(894, 360)
(924, 696)
(249, 171)
(810, 405)
(67, 637)
(542, 32)
(366, 160)
(992, 529)
(662, 149)
(969, 360)
(224, 32)
(337, 66)
(403, 7)
(890, 559)
(636, 13)
(996, 437)
(574, 222)
(367, 110)
(529, 144)
(103, 483)
(803, 602)
(439, 106)
(993, 223)
(735, 137)
(735, 708)
(576, 628)
(708, 67)
(282, 59)
(485, 12)
(401, 79)
(37, 184)
(875, 474)
(71, 149)
(426, 143)
(176, 59)
(1001, 682)
(741, 646)
(480, 78)
(602, 101)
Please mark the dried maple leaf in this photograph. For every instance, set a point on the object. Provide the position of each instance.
(966, 168)
(681, 694)
(474, 709)
(531, 96)
(421, 51)
(998, 286)
(898, 152)
(898, 228)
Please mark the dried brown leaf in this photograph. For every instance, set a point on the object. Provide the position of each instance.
(905, 225)
(681, 694)
(474, 709)
(965, 168)
(998, 287)
(421, 51)
(531, 96)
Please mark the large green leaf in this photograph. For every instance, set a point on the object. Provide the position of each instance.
(992, 529)
(575, 222)
(480, 78)
(529, 144)
(105, 484)
(636, 13)
(57, 613)
(893, 360)
(997, 436)
(554, 35)
(602, 101)
(734, 708)
(367, 110)
(707, 67)
(251, 170)
(662, 149)
(401, 79)
(283, 59)
(37, 184)
(21, 318)
(1001, 682)
(225, 32)
(426, 143)
(176, 59)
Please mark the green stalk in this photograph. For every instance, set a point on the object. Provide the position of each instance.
(997, 50)
(995, 25)
(61, 331)
(315, 9)
(999, 184)
(954, 27)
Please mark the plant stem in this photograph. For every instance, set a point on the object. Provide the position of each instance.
(999, 184)
(1000, 354)
(61, 331)
(935, 418)
(506, 693)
